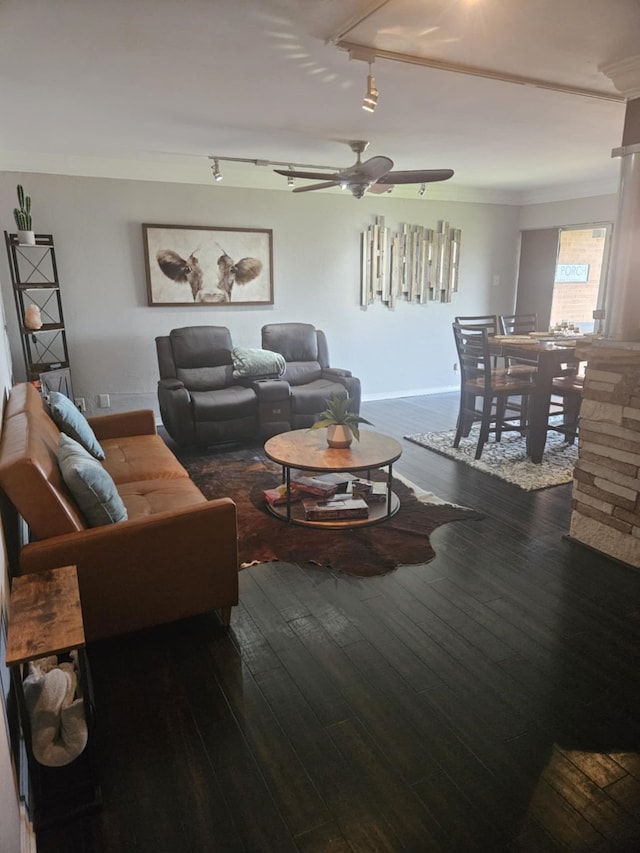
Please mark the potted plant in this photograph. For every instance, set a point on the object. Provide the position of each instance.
(22, 216)
(342, 425)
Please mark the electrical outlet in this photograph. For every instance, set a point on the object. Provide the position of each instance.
(104, 401)
(81, 403)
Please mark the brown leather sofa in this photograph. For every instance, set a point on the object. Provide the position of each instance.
(175, 556)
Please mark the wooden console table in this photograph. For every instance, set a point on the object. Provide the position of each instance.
(45, 618)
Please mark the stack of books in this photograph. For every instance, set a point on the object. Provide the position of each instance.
(278, 496)
(314, 486)
(337, 507)
(369, 491)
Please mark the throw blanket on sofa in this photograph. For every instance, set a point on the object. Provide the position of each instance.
(56, 712)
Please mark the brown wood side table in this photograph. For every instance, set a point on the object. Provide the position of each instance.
(45, 618)
(307, 450)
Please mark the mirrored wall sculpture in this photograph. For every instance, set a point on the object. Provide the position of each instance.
(416, 263)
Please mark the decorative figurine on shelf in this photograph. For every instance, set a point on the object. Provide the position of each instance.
(22, 215)
(32, 318)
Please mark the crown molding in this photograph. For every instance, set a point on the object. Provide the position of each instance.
(625, 75)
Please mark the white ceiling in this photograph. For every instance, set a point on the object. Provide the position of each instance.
(154, 87)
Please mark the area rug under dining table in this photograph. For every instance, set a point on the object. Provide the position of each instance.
(243, 475)
(507, 459)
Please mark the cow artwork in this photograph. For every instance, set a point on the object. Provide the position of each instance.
(199, 269)
(229, 273)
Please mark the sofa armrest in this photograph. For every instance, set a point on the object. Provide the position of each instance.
(119, 424)
(148, 571)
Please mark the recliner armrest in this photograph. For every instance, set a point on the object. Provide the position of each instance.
(335, 371)
(248, 381)
(176, 410)
(271, 389)
(170, 384)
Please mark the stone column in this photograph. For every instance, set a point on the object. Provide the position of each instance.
(622, 307)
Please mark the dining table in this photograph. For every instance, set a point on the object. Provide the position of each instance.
(554, 356)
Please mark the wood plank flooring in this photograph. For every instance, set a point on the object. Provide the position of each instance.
(487, 701)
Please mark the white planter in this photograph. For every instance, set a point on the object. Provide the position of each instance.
(26, 238)
(339, 435)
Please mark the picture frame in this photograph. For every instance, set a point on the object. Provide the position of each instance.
(208, 266)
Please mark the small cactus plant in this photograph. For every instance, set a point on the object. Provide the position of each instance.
(22, 214)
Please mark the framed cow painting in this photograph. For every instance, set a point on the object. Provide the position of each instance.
(207, 266)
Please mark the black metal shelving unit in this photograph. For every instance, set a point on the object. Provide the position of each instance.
(34, 277)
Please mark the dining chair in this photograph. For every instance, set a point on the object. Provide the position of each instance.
(569, 389)
(518, 324)
(482, 321)
(495, 386)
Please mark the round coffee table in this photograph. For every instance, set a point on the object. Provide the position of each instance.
(307, 450)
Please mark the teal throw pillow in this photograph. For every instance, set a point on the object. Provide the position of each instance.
(257, 362)
(73, 423)
(90, 484)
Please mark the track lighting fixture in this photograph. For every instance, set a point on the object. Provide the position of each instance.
(422, 189)
(290, 179)
(370, 101)
(217, 175)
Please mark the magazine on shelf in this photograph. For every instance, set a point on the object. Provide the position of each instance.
(337, 507)
(314, 486)
(278, 496)
(342, 479)
(369, 491)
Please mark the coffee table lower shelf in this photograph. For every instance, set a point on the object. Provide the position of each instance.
(377, 513)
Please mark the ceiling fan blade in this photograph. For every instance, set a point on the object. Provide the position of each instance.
(373, 168)
(323, 186)
(423, 176)
(312, 176)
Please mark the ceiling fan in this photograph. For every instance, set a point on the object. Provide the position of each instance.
(362, 176)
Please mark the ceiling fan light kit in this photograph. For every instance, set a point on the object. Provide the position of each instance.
(365, 175)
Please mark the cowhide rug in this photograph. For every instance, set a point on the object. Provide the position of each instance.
(243, 475)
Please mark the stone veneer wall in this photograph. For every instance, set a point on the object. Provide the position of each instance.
(606, 485)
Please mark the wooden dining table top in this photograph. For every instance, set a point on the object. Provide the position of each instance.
(538, 344)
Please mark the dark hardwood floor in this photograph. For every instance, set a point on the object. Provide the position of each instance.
(486, 701)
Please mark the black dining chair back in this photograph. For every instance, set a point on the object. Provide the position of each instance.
(481, 321)
(518, 324)
(494, 386)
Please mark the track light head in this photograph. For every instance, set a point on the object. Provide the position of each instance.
(422, 189)
(290, 179)
(370, 101)
(217, 174)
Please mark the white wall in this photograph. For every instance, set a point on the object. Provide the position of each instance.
(96, 225)
(577, 211)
